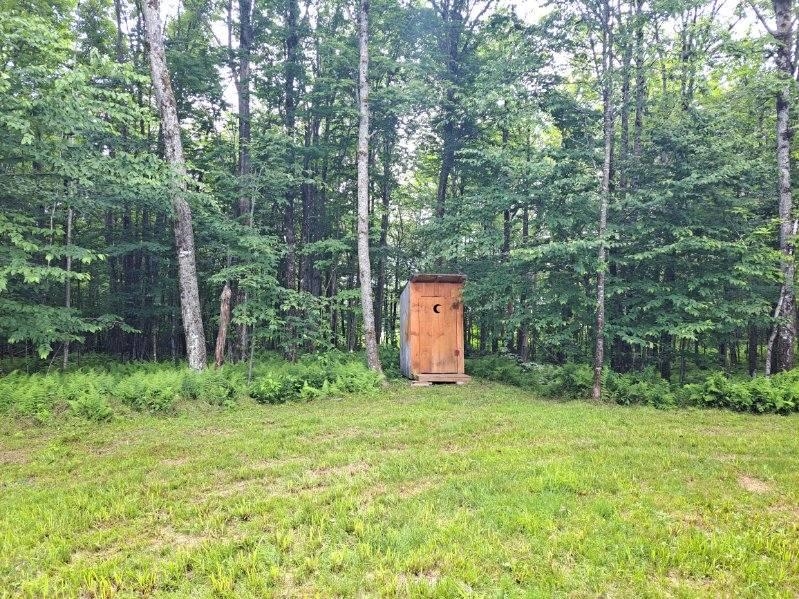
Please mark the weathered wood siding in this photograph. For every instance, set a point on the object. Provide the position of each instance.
(431, 326)
(405, 344)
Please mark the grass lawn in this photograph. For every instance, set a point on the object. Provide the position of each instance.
(443, 491)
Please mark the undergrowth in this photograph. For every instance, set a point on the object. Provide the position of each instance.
(101, 392)
(777, 394)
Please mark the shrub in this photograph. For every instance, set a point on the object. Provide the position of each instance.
(84, 393)
(570, 380)
(313, 378)
(506, 370)
(219, 387)
(154, 392)
(390, 359)
(31, 395)
(277, 389)
(645, 388)
(354, 378)
(91, 406)
(779, 394)
(191, 386)
(267, 390)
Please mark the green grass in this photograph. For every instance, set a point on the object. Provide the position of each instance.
(443, 491)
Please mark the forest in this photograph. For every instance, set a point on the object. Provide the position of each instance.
(217, 221)
(614, 178)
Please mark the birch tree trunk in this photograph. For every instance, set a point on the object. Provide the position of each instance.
(786, 326)
(364, 265)
(184, 234)
(607, 126)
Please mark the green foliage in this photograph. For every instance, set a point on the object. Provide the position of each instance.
(390, 360)
(569, 381)
(437, 492)
(29, 395)
(91, 405)
(220, 387)
(278, 389)
(84, 394)
(779, 393)
(100, 389)
(154, 392)
(512, 115)
(646, 388)
(267, 389)
(313, 377)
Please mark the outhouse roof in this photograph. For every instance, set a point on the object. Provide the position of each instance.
(437, 278)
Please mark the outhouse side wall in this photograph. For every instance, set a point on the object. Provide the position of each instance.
(405, 332)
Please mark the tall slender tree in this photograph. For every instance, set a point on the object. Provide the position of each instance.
(364, 263)
(783, 335)
(173, 148)
(606, 82)
(459, 19)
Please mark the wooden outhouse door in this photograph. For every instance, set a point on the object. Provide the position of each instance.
(431, 329)
(439, 320)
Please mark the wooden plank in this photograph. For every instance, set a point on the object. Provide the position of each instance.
(438, 278)
(438, 323)
(405, 340)
(444, 378)
(432, 325)
(457, 296)
(413, 330)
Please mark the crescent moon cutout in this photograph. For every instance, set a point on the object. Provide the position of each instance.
(436, 307)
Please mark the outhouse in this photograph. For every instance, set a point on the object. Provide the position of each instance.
(431, 329)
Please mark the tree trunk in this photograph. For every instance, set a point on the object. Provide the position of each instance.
(640, 86)
(382, 262)
(786, 325)
(666, 353)
(184, 234)
(447, 161)
(607, 126)
(290, 106)
(245, 165)
(68, 283)
(751, 349)
(624, 150)
(364, 265)
(224, 321)
(522, 339)
(246, 202)
(778, 311)
(451, 50)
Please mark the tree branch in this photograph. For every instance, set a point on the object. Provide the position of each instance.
(762, 18)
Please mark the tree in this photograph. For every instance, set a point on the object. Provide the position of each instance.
(364, 262)
(173, 148)
(783, 335)
(483, 150)
(456, 44)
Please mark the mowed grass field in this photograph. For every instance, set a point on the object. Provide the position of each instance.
(478, 490)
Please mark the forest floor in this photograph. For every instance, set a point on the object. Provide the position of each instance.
(441, 491)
